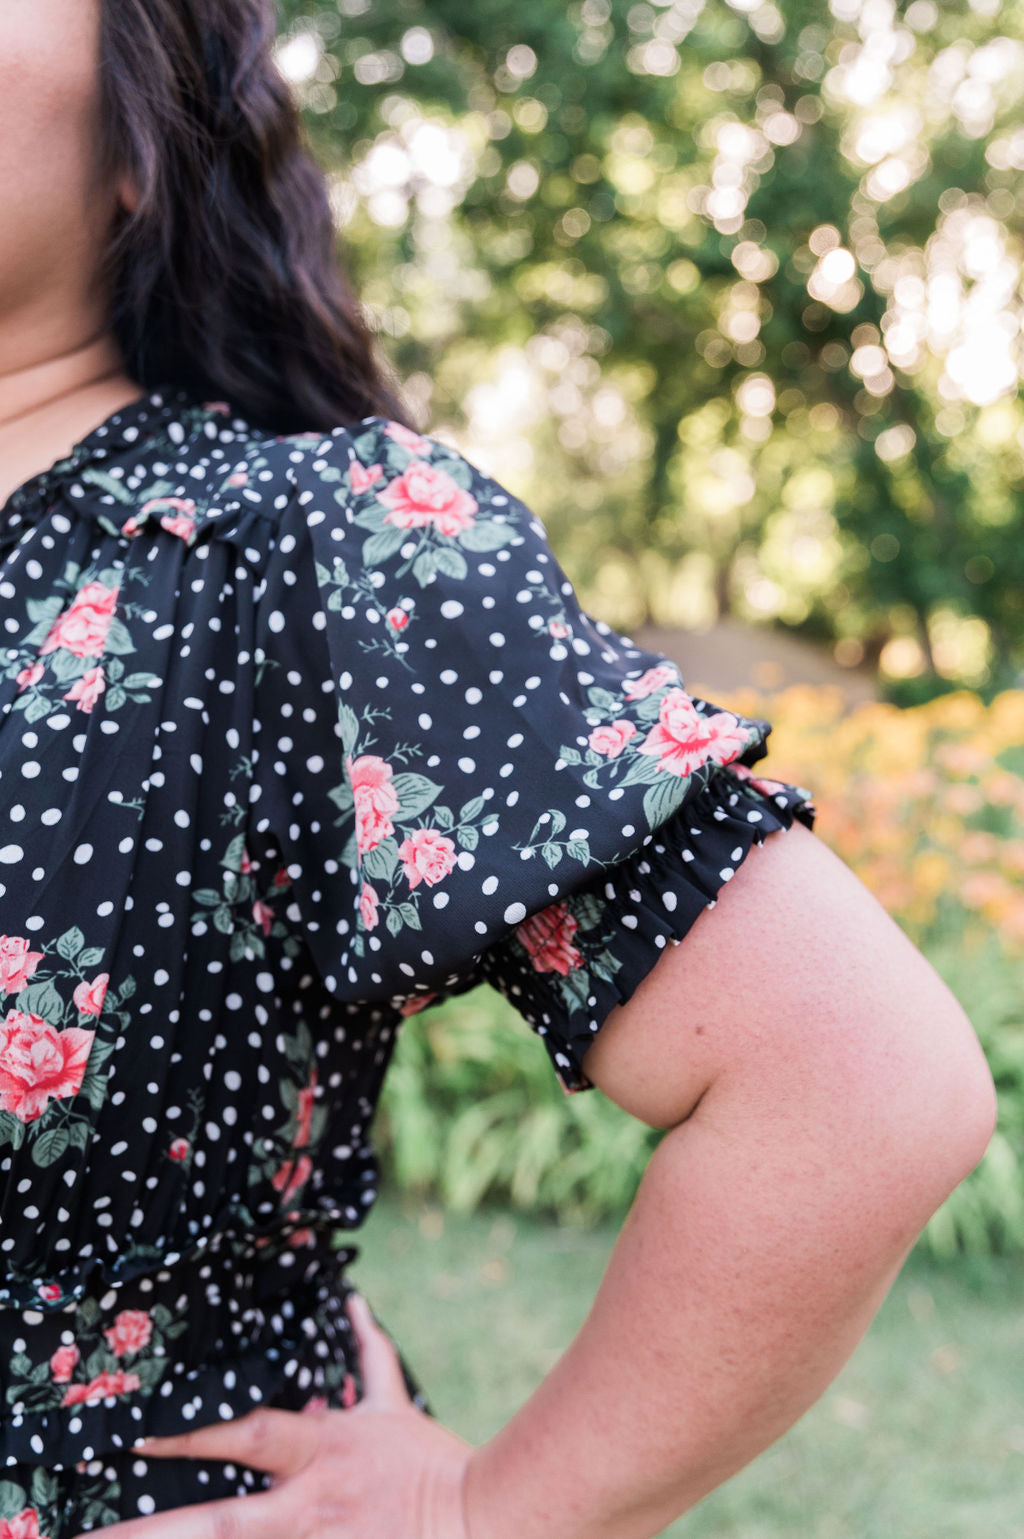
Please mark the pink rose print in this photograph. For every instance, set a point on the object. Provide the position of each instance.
(178, 524)
(397, 618)
(39, 1064)
(239, 478)
(131, 525)
(407, 438)
(292, 1175)
(17, 963)
(307, 1099)
(547, 937)
(364, 476)
(417, 1002)
(63, 1363)
(766, 787)
(218, 406)
(612, 739)
(368, 905)
(348, 1391)
(426, 494)
(375, 799)
(263, 915)
(558, 628)
(726, 738)
(24, 1526)
(647, 683)
(104, 1384)
(29, 676)
(426, 856)
(245, 864)
(179, 1149)
(684, 740)
(129, 1333)
(281, 877)
(83, 628)
(48, 1291)
(88, 689)
(182, 505)
(315, 1403)
(89, 997)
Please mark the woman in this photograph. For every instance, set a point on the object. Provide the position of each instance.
(302, 730)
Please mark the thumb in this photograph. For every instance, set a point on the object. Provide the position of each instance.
(383, 1382)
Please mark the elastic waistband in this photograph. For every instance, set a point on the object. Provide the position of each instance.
(240, 1321)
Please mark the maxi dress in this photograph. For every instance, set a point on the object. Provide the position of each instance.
(299, 735)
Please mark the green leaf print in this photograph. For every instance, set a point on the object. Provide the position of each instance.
(664, 797)
(12, 1499)
(119, 638)
(12, 1130)
(604, 700)
(44, 1487)
(36, 707)
(44, 611)
(460, 471)
(643, 770)
(232, 857)
(49, 1146)
(109, 484)
(41, 999)
(451, 562)
(485, 534)
(415, 793)
(68, 666)
(380, 546)
(425, 567)
(70, 943)
(366, 444)
(379, 863)
(349, 724)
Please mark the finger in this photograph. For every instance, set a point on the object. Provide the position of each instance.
(383, 1382)
(267, 1515)
(277, 1442)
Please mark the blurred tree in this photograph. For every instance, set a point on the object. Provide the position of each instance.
(740, 278)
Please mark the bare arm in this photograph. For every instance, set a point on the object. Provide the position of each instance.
(824, 1092)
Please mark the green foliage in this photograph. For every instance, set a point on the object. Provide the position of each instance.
(734, 275)
(986, 1213)
(472, 1112)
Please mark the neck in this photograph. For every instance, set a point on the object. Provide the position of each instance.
(53, 402)
(60, 386)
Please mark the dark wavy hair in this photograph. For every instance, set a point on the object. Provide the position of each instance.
(225, 278)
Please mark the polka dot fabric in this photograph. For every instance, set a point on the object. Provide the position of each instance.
(298, 735)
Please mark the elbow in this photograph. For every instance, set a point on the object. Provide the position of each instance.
(951, 1115)
(975, 1110)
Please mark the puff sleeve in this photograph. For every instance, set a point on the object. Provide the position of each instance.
(477, 780)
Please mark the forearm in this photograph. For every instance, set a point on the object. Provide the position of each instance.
(738, 1287)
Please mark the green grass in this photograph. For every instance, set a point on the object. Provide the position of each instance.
(921, 1437)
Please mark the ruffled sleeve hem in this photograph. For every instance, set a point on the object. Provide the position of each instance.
(566, 967)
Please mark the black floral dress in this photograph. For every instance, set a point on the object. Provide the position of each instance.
(298, 735)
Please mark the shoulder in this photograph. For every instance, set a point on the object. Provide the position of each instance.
(406, 500)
